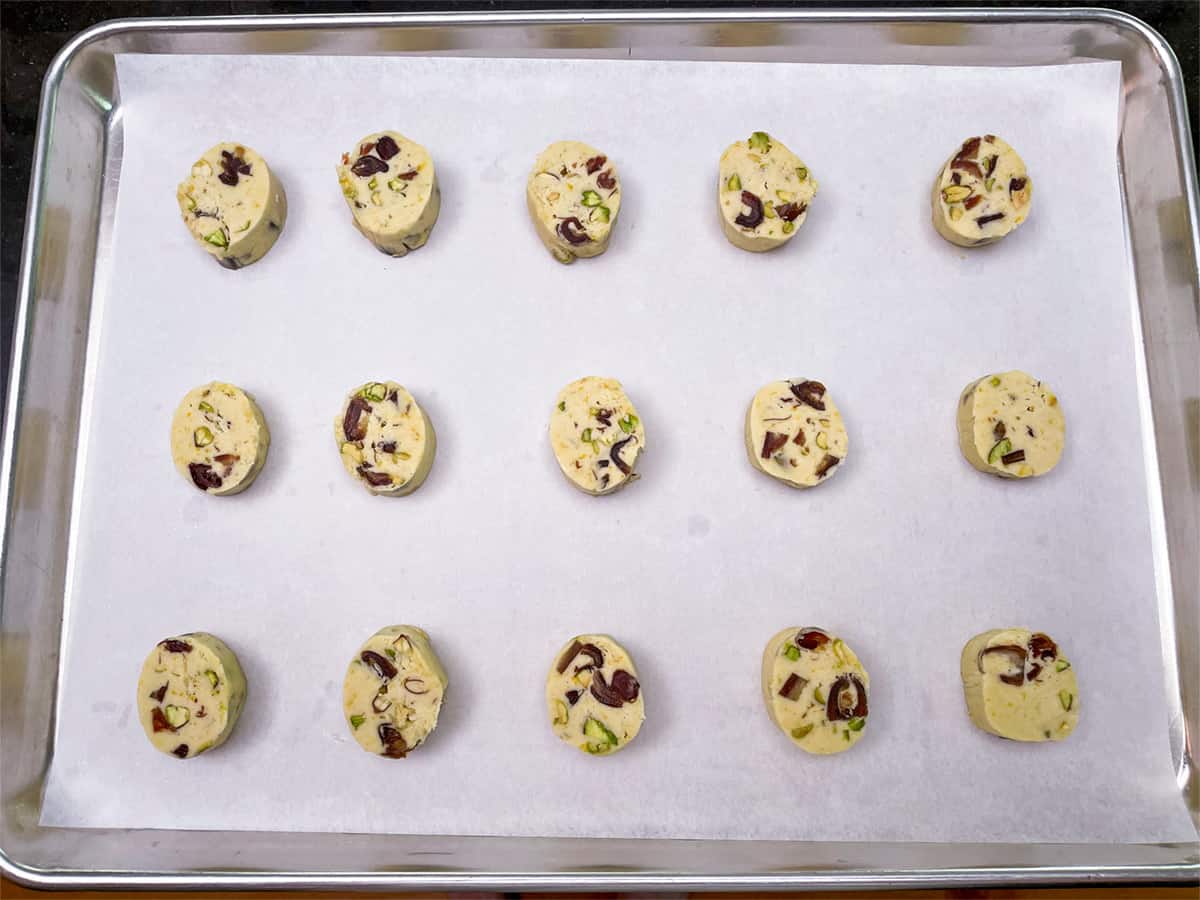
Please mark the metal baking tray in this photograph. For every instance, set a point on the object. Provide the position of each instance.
(71, 202)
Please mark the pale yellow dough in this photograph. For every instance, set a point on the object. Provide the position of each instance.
(596, 435)
(805, 673)
(982, 193)
(236, 223)
(1008, 415)
(762, 172)
(386, 442)
(190, 694)
(1019, 685)
(574, 196)
(593, 695)
(396, 208)
(795, 433)
(219, 438)
(393, 691)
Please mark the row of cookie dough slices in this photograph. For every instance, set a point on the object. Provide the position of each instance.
(236, 207)
(1017, 685)
(1009, 424)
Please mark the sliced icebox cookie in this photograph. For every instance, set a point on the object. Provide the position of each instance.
(1019, 685)
(233, 204)
(596, 435)
(393, 691)
(982, 193)
(815, 690)
(219, 438)
(795, 433)
(593, 695)
(574, 196)
(190, 694)
(1010, 424)
(392, 190)
(763, 193)
(385, 439)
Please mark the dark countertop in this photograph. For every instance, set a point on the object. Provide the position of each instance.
(33, 32)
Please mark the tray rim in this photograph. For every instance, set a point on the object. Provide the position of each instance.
(1184, 872)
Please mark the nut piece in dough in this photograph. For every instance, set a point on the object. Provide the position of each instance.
(574, 196)
(393, 691)
(593, 695)
(391, 188)
(1019, 685)
(1010, 424)
(190, 694)
(815, 689)
(385, 439)
(795, 433)
(219, 438)
(596, 435)
(763, 193)
(982, 193)
(233, 204)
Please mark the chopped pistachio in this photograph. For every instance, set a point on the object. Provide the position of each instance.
(217, 238)
(760, 141)
(846, 735)
(349, 191)
(560, 713)
(562, 405)
(802, 173)
(633, 421)
(212, 678)
(1061, 666)
(590, 199)
(769, 209)
(989, 184)
(357, 720)
(1051, 400)
(789, 227)
(625, 425)
(785, 196)
(994, 381)
(792, 652)
(202, 436)
(596, 447)
(373, 183)
(603, 213)
(377, 199)
(839, 651)
(177, 716)
(856, 724)
(375, 391)
(956, 213)
(818, 694)
(586, 437)
(403, 455)
(955, 193)
(1066, 698)
(997, 452)
(802, 731)
(601, 739)
(191, 201)
(202, 167)
(205, 406)
(395, 184)
(822, 440)
(734, 183)
(390, 651)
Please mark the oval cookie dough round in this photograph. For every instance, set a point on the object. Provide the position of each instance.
(982, 193)
(190, 694)
(1010, 424)
(815, 690)
(795, 433)
(391, 188)
(596, 435)
(219, 438)
(393, 691)
(1019, 685)
(763, 193)
(385, 439)
(233, 204)
(574, 196)
(593, 695)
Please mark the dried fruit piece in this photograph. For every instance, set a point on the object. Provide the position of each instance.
(793, 687)
(754, 215)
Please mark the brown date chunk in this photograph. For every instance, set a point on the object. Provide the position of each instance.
(175, 645)
(1041, 646)
(1016, 657)
(373, 478)
(972, 202)
(353, 426)
(999, 431)
(624, 688)
(386, 148)
(159, 694)
(415, 685)
(159, 721)
(366, 166)
(1016, 456)
(789, 212)
(605, 180)
(594, 653)
(572, 231)
(379, 664)
(1016, 184)
(204, 477)
(826, 464)
(793, 687)
(983, 220)
(753, 218)
(970, 148)
(573, 697)
(181, 751)
(394, 745)
(615, 455)
(388, 447)
(772, 441)
(813, 639)
(570, 653)
(967, 166)
(810, 393)
(595, 164)
(847, 699)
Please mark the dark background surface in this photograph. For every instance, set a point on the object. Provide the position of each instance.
(33, 32)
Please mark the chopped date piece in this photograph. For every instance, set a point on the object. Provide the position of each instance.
(847, 699)
(181, 751)
(970, 147)
(826, 464)
(364, 149)
(772, 441)
(624, 688)
(353, 426)
(174, 645)
(990, 138)
(793, 687)
(159, 721)
(204, 477)
(955, 178)
(386, 148)
(967, 166)
(594, 653)
(615, 455)
(991, 163)
(800, 438)
(379, 664)
(394, 745)
(573, 697)
(1016, 657)
(407, 176)
(754, 217)
(572, 231)
(1016, 456)
(810, 393)
(998, 431)
(626, 685)
(813, 639)
(366, 166)
(570, 653)
(380, 702)
(789, 212)
(1034, 671)
(983, 220)
(159, 694)
(415, 685)
(972, 202)
(1043, 647)
(388, 447)
(605, 180)
(595, 164)
(229, 178)
(1016, 184)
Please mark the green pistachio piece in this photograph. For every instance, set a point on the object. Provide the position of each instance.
(596, 447)
(562, 405)
(789, 227)
(994, 381)
(734, 183)
(373, 183)
(839, 651)
(590, 199)
(1061, 666)
(633, 421)
(586, 437)
(357, 720)
(560, 713)
(625, 425)
(191, 202)
(217, 238)
(390, 652)
(818, 695)
(212, 678)
(244, 227)
(205, 406)
(395, 184)
(603, 213)
(769, 209)
(600, 737)
(202, 436)
(1066, 698)
(989, 184)
(760, 141)
(846, 735)
(997, 452)
(403, 455)
(856, 724)
(955, 193)
(792, 652)
(802, 173)
(375, 391)
(177, 716)
(802, 731)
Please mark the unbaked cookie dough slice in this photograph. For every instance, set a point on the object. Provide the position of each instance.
(385, 439)
(982, 193)
(219, 438)
(233, 204)
(393, 691)
(795, 433)
(815, 690)
(392, 191)
(593, 695)
(596, 435)
(1010, 424)
(763, 193)
(574, 196)
(190, 694)
(1019, 685)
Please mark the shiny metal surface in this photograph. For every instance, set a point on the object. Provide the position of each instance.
(61, 287)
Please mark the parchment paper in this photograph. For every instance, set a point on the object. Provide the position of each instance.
(906, 553)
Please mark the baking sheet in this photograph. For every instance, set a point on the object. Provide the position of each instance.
(906, 553)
